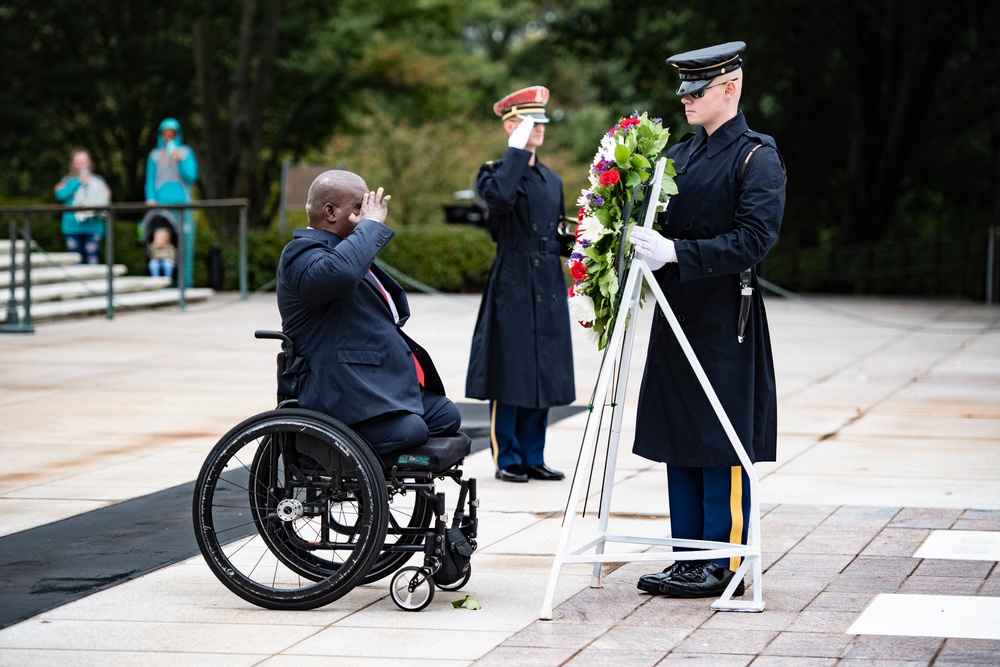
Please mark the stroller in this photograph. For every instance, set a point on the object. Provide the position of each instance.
(158, 218)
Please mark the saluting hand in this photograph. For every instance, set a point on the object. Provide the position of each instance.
(374, 206)
(519, 137)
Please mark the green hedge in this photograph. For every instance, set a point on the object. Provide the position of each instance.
(453, 258)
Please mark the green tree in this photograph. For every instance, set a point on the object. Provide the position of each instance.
(71, 79)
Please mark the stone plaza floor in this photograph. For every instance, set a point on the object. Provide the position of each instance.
(880, 521)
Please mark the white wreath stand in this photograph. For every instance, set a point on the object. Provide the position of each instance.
(592, 549)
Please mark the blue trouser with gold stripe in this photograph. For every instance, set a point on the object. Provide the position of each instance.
(709, 504)
(517, 435)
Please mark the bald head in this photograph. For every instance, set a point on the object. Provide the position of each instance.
(337, 188)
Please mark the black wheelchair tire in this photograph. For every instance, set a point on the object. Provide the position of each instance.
(235, 534)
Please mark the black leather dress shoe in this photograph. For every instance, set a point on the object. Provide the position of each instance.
(653, 583)
(705, 580)
(511, 474)
(544, 472)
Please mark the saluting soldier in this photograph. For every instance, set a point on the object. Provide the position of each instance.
(722, 222)
(522, 356)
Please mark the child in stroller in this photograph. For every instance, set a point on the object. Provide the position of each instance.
(162, 254)
(159, 232)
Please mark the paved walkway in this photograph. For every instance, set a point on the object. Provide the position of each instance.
(889, 443)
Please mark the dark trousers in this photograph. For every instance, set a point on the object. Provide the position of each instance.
(709, 504)
(397, 431)
(517, 435)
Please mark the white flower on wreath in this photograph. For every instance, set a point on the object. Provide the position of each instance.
(581, 308)
(591, 229)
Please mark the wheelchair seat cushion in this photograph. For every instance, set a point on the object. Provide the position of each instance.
(435, 455)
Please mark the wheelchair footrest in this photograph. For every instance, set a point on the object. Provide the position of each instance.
(435, 455)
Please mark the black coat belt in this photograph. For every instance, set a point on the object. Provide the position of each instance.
(543, 245)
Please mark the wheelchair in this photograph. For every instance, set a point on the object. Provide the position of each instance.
(292, 510)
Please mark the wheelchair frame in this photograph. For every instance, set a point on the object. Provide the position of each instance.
(292, 510)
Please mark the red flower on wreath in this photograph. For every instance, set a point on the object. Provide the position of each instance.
(610, 177)
(571, 291)
(578, 271)
(581, 213)
(628, 122)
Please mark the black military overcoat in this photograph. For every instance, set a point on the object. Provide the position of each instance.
(522, 352)
(725, 217)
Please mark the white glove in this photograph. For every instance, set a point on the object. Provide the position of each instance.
(519, 137)
(655, 249)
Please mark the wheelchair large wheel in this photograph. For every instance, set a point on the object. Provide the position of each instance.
(290, 509)
(409, 515)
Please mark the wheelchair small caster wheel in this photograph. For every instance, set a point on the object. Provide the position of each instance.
(412, 588)
(457, 585)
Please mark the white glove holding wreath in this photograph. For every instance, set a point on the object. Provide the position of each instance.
(655, 249)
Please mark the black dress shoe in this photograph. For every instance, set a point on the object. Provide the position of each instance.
(705, 580)
(511, 474)
(544, 472)
(653, 583)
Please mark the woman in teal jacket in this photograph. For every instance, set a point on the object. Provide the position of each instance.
(82, 230)
(171, 170)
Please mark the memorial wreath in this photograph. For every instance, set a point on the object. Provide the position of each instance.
(624, 163)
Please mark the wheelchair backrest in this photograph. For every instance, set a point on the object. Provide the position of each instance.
(287, 364)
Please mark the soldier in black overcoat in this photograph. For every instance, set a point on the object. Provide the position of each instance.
(720, 225)
(522, 355)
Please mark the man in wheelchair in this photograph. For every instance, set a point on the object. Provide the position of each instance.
(344, 316)
(335, 487)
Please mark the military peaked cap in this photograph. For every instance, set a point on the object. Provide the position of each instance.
(697, 68)
(529, 101)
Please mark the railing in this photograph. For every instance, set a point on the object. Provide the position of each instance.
(13, 325)
(960, 264)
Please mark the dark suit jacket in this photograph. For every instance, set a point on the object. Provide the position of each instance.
(358, 363)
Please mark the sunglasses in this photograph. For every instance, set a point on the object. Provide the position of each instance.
(698, 94)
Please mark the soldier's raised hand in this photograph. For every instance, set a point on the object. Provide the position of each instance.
(519, 137)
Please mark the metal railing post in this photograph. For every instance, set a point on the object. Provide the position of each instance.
(109, 260)
(12, 316)
(243, 254)
(26, 301)
(181, 263)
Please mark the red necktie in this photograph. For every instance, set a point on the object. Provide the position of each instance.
(385, 295)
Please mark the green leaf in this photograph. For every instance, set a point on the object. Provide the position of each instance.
(633, 180)
(622, 154)
(468, 602)
(667, 186)
(639, 161)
